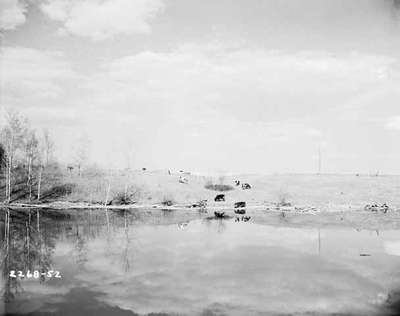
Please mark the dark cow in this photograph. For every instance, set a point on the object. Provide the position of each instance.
(219, 198)
(245, 218)
(237, 182)
(219, 214)
(201, 203)
(240, 211)
(240, 204)
(144, 169)
(246, 186)
(70, 168)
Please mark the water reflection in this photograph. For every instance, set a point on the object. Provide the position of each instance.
(128, 262)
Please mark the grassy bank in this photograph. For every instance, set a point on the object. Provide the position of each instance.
(146, 188)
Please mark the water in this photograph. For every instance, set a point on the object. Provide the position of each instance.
(172, 264)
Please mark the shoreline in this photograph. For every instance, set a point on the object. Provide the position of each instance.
(267, 207)
(66, 205)
(358, 219)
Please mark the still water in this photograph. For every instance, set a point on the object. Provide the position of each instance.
(166, 263)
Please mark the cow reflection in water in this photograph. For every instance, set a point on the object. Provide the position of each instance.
(183, 225)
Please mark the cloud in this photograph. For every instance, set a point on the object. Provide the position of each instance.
(393, 123)
(246, 84)
(231, 101)
(29, 74)
(102, 19)
(12, 14)
(392, 247)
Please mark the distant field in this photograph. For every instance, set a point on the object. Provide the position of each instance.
(326, 192)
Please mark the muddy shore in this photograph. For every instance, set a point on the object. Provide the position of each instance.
(358, 219)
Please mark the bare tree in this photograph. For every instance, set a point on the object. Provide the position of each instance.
(48, 146)
(13, 134)
(31, 153)
(81, 152)
(39, 185)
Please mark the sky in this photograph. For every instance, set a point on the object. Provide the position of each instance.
(210, 86)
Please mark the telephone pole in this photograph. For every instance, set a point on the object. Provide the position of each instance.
(319, 159)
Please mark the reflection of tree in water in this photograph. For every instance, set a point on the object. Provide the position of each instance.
(33, 235)
(25, 246)
(80, 248)
(125, 253)
(102, 223)
(130, 240)
(221, 225)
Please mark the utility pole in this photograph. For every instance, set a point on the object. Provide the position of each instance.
(319, 159)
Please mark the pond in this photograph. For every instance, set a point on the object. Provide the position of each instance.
(165, 263)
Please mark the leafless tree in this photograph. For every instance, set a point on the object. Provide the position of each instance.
(39, 185)
(31, 154)
(48, 146)
(81, 152)
(13, 134)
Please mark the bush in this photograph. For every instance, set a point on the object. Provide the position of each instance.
(218, 187)
(283, 197)
(122, 199)
(58, 191)
(129, 196)
(167, 201)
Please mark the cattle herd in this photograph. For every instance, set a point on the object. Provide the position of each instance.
(377, 208)
(238, 206)
(245, 186)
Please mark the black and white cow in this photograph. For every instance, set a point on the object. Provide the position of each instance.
(240, 204)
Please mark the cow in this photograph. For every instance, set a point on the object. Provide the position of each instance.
(240, 204)
(219, 214)
(219, 198)
(182, 225)
(240, 211)
(201, 203)
(246, 186)
(237, 182)
(70, 168)
(183, 180)
(144, 169)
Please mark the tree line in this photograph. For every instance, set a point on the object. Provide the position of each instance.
(25, 154)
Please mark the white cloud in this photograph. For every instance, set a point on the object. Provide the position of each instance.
(30, 75)
(393, 123)
(230, 101)
(253, 85)
(103, 19)
(12, 14)
(223, 98)
(392, 247)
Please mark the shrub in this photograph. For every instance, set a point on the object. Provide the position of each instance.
(218, 187)
(167, 201)
(128, 196)
(283, 197)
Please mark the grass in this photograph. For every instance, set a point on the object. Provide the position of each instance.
(325, 192)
